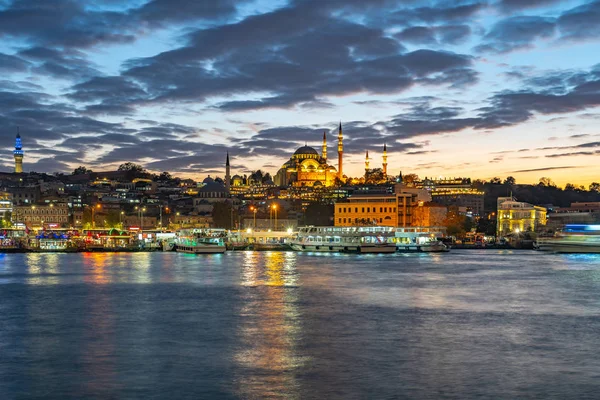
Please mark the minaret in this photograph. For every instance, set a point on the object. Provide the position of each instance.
(18, 153)
(367, 164)
(384, 160)
(340, 151)
(227, 174)
(324, 146)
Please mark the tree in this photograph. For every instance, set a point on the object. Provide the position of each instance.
(570, 187)
(594, 187)
(495, 180)
(547, 182)
(113, 219)
(6, 221)
(410, 179)
(375, 176)
(165, 177)
(267, 178)
(510, 181)
(81, 170)
(129, 166)
(256, 177)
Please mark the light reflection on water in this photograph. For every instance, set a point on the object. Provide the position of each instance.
(269, 327)
(471, 324)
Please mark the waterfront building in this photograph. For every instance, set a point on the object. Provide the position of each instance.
(516, 216)
(18, 154)
(455, 192)
(53, 215)
(391, 209)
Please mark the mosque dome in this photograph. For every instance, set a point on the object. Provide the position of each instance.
(208, 179)
(306, 150)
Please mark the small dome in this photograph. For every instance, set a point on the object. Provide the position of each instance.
(305, 150)
(317, 183)
(208, 179)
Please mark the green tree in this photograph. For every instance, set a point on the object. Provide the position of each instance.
(113, 219)
(594, 187)
(6, 221)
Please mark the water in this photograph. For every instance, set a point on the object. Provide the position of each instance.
(466, 324)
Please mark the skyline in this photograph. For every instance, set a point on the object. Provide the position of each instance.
(470, 88)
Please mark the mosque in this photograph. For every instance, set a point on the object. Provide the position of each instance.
(307, 168)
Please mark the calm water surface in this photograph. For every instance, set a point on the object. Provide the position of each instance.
(470, 324)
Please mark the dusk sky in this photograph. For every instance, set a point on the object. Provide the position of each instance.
(454, 88)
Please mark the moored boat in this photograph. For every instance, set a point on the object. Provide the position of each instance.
(418, 239)
(359, 239)
(200, 241)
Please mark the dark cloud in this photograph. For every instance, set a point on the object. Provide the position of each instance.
(65, 64)
(516, 33)
(433, 35)
(514, 5)
(9, 63)
(283, 53)
(66, 23)
(581, 22)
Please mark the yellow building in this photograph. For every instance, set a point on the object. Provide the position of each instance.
(516, 216)
(385, 210)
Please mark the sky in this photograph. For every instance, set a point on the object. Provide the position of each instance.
(469, 88)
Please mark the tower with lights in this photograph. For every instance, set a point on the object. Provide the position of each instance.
(227, 174)
(18, 154)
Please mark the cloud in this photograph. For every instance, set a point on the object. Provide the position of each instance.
(434, 35)
(516, 33)
(10, 63)
(544, 169)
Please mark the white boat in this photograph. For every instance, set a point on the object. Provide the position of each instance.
(572, 239)
(200, 241)
(417, 239)
(355, 239)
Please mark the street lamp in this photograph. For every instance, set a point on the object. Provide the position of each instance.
(274, 206)
(254, 211)
(121, 218)
(99, 206)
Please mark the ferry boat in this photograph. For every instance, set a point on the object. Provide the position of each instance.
(352, 239)
(573, 239)
(200, 241)
(418, 239)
